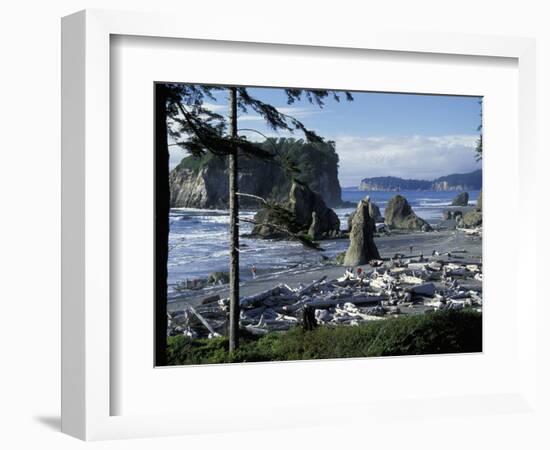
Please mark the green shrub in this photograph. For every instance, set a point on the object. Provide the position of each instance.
(439, 332)
(196, 163)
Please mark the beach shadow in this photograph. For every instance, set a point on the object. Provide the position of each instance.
(51, 422)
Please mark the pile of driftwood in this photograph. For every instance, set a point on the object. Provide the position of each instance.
(397, 286)
(478, 231)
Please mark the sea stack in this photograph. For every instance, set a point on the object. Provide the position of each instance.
(315, 227)
(474, 217)
(201, 182)
(461, 199)
(479, 204)
(400, 216)
(362, 248)
(303, 202)
(374, 212)
(305, 206)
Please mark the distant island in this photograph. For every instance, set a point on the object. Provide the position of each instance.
(454, 182)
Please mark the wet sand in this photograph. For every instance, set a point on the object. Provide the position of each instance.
(463, 247)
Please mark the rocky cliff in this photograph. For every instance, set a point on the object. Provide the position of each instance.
(198, 189)
(203, 182)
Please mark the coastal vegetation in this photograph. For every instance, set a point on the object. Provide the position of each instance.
(434, 333)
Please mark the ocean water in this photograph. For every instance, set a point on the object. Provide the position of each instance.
(198, 241)
(426, 204)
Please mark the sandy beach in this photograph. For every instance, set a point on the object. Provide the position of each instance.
(464, 249)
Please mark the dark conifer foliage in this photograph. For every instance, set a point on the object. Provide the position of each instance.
(199, 130)
(479, 142)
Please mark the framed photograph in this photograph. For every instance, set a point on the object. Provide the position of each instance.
(257, 216)
(359, 244)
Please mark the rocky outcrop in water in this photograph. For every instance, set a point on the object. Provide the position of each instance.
(309, 211)
(400, 216)
(203, 182)
(206, 185)
(455, 214)
(374, 212)
(303, 202)
(205, 188)
(472, 219)
(362, 248)
(461, 199)
(479, 201)
(315, 227)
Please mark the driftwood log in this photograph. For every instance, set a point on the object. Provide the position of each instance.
(435, 283)
(203, 321)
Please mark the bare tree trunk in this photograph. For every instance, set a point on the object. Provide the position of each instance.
(162, 224)
(234, 307)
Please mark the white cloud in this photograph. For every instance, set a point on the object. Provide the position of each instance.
(418, 157)
(293, 111)
(298, 112)
(250, 118)
(216, 107)
(176, 155)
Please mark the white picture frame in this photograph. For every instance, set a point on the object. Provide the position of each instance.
(87, 382)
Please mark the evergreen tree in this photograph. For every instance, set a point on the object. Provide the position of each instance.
(479, 142)
(200, 131)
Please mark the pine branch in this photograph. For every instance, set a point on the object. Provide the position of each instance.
(305, 240)
(285, 216)
(257, 197)
(274, 118)
(209, 138)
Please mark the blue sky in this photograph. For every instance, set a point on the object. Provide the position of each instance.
(379, 134)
